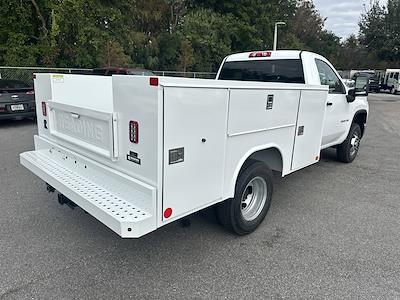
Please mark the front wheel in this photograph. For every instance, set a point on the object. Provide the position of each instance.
(348, 150)
(253, 193)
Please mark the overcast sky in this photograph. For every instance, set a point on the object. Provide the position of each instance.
(343, 15)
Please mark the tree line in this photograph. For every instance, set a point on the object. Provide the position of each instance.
(184, 35)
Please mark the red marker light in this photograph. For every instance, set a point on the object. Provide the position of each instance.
(154, 81)
(260, 54)
(134, 132)
(167, 212)
(30, 92)
(44, 109)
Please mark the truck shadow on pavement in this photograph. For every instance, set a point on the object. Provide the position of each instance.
(205, 223)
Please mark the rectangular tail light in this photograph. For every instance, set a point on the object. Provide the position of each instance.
(134, 132)
(44, 109)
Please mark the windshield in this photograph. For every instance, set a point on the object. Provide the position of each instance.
(284, 70)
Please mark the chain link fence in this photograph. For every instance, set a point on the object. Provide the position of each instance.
(204, 75)
(26, 73)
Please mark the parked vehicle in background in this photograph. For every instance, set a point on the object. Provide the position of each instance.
(122, 71)
(391, 81)
(140, 152)
(349, 82)
(17, 100)
(373, 79)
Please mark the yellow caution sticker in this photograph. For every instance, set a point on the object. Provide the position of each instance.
(58, 78)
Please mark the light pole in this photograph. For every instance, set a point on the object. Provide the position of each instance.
(276, 33)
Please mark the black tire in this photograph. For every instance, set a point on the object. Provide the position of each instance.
(230, 212)
(348, 150)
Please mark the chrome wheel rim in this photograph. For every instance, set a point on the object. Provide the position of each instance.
(355, 143)
(253, 198)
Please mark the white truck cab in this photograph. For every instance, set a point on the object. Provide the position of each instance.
(139, 152)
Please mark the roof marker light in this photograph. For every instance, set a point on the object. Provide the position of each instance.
(260, 54)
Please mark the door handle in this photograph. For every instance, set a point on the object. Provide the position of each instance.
(75, 116)
(329, 104)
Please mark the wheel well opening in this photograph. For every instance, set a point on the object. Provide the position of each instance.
(271, 157)
(361, 120)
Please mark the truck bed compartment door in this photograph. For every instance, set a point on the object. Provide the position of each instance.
(308, 135)
(194, 146)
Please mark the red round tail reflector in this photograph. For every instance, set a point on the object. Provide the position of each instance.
(154, 81)
(167, 212)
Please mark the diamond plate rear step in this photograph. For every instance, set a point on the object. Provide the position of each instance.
(122, 203)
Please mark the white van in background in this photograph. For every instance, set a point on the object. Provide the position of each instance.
(391, 81)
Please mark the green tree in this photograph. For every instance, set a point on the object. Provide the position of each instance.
(372, 27)
(210, 35)
(391, 49)
(254, 19)
(22, 34)
(186, 55)
(112, 54)
(181, 34)
(352, 54)
(169, 46)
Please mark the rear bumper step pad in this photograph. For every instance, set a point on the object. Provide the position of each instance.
(120, 211)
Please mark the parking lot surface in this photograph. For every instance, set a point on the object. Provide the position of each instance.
(333, 231)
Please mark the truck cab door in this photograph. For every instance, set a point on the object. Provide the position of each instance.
(337, 118)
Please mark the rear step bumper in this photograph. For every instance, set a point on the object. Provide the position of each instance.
(124, 204)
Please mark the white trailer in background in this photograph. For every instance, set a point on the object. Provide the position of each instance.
(140, 152)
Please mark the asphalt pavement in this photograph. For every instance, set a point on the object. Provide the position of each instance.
(333, 231)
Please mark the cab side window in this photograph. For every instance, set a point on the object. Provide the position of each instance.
(328, 77)
(396, 76)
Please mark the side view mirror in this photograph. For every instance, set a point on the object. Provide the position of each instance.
(361, 88)
(351, 95)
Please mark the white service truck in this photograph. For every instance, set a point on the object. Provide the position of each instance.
(140, 152)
